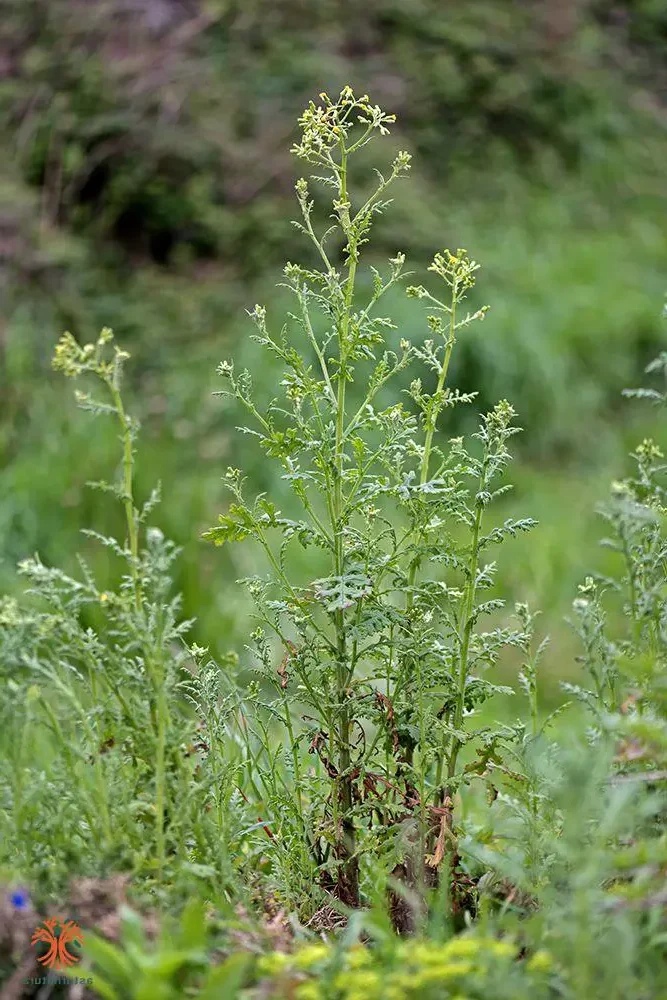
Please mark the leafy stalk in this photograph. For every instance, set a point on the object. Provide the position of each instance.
(75, 361)
(377, 640)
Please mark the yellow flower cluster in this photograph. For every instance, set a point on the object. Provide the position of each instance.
(540, 961)
(457, 269)
(329, 124)
(416, 969)
(73, 360)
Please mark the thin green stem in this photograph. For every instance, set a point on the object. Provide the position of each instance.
(534, 703)
(431, 422)
(93, 824)
(308, 326)
(267, 428)
(298, 783)
(160, 779)
(466, 625)
(344, 755)
(281, 575)
(128, 495)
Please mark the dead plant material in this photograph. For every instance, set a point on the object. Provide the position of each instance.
(327, 918)
(97, 903)
(386, 705)
(445, 834)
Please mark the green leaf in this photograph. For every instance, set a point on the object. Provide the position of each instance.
(151, 988)
(133, 928)
(113, 963)
(337, 593)
(226, 979)
(194, 930)
(104, 989)
(234, 526)
(165, 964)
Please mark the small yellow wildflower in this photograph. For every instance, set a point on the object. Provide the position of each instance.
(398, 985)
(310, 955)
(358, 957)
(649, 450)
(422, 953)
(461, 947)
(440, 973)
(359, 984)
(308, 991)
(273, 964)
(502, 949)
(541, 961)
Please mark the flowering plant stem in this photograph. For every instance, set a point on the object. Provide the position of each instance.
(381, 651)
(76, 361)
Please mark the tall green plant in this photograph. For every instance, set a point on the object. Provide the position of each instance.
(106, 734)
(625, 667)
(384, 657)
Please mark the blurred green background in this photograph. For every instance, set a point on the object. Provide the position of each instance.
(146, 184)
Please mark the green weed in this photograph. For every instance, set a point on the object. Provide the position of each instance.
(350, 820)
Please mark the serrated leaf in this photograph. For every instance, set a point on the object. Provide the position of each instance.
(237, 524)
(337, 593)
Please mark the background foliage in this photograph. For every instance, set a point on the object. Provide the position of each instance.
(143, 186)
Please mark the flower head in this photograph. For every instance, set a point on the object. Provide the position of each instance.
(328, 125)
(19, 899)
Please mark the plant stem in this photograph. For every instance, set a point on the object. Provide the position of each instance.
(295, 758)
(160, 776)
(437, 404)
(534, 706)
(466, 624)
(157, 673)
(93, 824)
(128, 495)
(431, 422)
(349, 882)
